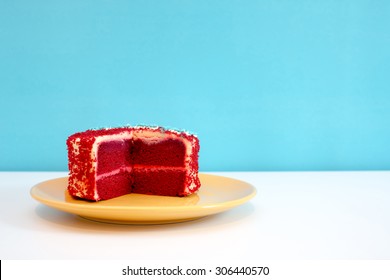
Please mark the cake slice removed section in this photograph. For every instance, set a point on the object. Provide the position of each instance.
(165, 162)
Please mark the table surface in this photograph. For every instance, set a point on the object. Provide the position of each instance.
(294, 216)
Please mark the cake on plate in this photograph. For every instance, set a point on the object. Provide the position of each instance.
(111, 162)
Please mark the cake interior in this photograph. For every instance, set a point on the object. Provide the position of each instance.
(114, 166)
(140, 165)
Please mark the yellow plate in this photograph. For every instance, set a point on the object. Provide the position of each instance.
(217, 194)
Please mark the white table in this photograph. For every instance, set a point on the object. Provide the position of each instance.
(294, 216)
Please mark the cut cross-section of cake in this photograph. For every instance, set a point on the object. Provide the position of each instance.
(111, 162)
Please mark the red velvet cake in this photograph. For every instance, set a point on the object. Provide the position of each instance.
(111, 162)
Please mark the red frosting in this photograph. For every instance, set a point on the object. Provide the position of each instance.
(125, 165)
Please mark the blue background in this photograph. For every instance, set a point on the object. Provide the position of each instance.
(267, 85)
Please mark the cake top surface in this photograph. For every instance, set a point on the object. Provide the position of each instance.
(93, 133)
